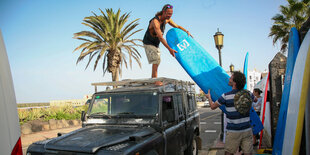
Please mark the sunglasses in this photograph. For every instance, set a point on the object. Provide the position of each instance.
(168, 6)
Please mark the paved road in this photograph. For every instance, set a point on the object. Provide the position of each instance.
(210, 124)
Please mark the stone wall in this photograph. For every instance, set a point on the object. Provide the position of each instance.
(73, 102)
(277, 71)
(37, 125)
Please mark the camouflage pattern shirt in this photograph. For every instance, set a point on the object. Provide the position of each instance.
(236, 122)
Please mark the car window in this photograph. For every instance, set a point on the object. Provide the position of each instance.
(189, 100)
(168, 109)
(100, 105)
(126, 104)
(191, 103)
(180, 107)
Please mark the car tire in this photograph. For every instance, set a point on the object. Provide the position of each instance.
(193, 147)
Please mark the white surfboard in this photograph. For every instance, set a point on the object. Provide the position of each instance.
(298, 99)
(10, 142)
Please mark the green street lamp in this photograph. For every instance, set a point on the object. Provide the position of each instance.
(218, 39)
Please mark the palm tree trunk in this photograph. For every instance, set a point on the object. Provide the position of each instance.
(115, 75)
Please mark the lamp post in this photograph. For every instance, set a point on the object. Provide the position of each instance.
(231, 67)
(218, 39)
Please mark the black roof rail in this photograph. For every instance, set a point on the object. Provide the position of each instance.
(147, 82)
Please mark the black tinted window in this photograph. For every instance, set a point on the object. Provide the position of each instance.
(191, 103)
(180, 106)
(168, 113)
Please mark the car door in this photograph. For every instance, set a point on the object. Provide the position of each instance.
(169, 122)
(180, 127)
(190, 116)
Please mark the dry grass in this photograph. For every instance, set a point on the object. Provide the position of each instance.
(58, 113)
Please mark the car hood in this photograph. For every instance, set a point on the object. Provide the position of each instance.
(90, 139)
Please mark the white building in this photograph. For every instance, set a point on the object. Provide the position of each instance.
(254, 77)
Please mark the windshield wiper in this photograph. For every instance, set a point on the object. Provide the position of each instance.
(124, 113)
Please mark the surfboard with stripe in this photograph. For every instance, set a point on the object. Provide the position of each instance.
(298, 96)
(293, 49)
(265, 112)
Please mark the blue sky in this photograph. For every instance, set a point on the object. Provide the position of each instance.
(38, 39)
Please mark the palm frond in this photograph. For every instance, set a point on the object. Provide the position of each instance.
(127, 37)
(82, 55)
(133, 52)
(90, 58)
(104, 63)
(123, 19)
(98, 58)
(123, 58)
(82, 46)
(86, 34)
(133, 42)
(130, 26)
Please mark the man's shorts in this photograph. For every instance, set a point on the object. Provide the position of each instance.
(235, 139)
(152, 53)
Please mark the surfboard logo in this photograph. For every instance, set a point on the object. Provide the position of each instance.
(183, 45)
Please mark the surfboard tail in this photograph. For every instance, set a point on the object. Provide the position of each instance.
(17, 150)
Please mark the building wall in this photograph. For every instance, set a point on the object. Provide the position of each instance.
(72, 102)
(254, 77)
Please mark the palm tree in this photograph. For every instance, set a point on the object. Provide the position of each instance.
(110, 41)
(293, 15)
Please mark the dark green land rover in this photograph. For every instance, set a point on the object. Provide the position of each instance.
(137, 117)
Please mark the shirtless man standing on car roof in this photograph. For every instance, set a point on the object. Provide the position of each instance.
(154, 35)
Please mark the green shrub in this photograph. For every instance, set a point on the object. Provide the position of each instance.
(57, 113)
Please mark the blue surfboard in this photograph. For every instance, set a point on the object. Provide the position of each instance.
(202, 67)
(255, 120)
(245, 69)
(293, 49)
(198, 63)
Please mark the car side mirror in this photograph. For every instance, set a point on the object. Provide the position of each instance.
(83, 116)
(60, 134)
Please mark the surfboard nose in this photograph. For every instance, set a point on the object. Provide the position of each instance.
(174, 36)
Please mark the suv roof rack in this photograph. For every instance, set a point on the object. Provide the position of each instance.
(178, 84)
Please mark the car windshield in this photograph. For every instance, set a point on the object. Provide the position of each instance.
(125, 104)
